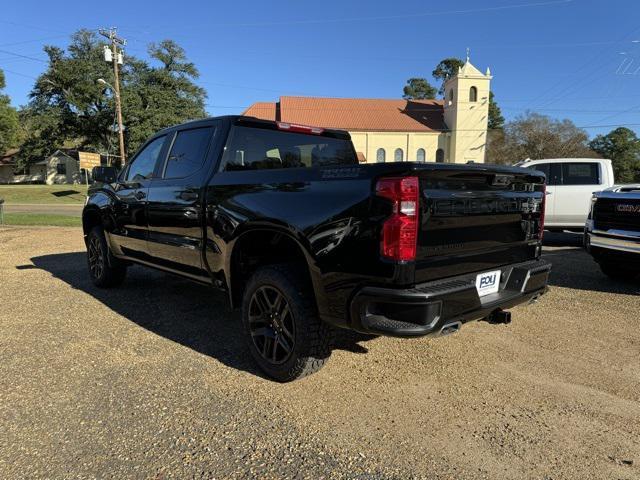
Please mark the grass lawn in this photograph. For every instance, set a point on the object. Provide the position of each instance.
(47, 194)
(41, 219)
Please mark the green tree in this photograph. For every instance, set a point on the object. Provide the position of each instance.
(9, 126)
(162, 96)
(495, 120)
(622, 146)
(446, 69)
(68, 107)
(419, 89)
(536, 136)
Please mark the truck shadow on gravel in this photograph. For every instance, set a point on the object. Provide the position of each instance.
(574, 268)
(190, 314)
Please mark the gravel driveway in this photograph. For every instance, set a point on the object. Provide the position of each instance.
(152, 380)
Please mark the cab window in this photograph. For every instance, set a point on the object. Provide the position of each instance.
(188, 152)
(143, 165)
(580, 173)
(551, 170)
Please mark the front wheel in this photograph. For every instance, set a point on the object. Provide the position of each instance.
(286, 337)
(105, 270)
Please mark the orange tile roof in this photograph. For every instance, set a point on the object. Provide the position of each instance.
(355, 114)
(263, 110)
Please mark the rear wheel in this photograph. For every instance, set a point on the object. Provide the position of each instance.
(104, 269)
(617, 272)
(284, 333)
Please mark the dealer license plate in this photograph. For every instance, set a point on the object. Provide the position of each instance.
(488, 283)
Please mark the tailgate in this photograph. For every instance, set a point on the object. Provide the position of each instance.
(477, 219)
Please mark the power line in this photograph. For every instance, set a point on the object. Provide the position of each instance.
(35, 40)
(31, 27)
(397, 17)
(559, 94)
(23, 56)
(146, 28)
(19, 74)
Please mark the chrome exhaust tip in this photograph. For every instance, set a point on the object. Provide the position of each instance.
(450, 328)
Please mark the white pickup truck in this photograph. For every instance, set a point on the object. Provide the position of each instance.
(571, 182)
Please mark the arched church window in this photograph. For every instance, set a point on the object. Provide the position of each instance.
(380, 154)
(398, 155)
(420, 155)
(473, 94)
(440, 155)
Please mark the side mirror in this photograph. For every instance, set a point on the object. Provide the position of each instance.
(104, 174)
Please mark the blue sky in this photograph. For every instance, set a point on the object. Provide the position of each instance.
(576, 59)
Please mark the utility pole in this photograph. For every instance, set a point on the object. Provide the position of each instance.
(115, 59)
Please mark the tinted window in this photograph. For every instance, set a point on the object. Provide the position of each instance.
(188, 152)
(440, 155)
(550, 170)
(580, 174)
(256, 149)
(543, 167)
(141, 167)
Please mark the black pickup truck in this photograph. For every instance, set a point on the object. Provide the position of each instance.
(612, 231)
(304, 238)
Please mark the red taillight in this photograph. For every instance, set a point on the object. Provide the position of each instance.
(292, 127)
(543, 206)
(400, 230)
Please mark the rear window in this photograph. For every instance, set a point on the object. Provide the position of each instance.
(580, 174)
(258, 149)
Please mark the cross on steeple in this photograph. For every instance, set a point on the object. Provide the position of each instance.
(468, 54)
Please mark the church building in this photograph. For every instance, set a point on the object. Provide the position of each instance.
(453, 129)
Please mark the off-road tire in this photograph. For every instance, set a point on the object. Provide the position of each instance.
(313, 338)
(105, 270)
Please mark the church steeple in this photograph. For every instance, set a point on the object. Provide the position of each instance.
(466, 111)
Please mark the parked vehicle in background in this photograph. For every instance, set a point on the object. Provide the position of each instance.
(612, 232)
(301, 236)
(571, 183)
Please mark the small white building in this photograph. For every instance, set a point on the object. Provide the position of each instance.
(61, 167)
(10, 173)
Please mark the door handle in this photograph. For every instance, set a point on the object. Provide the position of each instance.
(140, 195)
(189, 195)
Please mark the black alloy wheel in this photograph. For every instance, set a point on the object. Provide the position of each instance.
(283, 330)
(104, 269)
(271, 325)
(95, 257)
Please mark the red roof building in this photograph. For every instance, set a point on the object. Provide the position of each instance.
(452, 129)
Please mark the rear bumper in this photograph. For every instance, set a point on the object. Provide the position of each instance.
(429, 308)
